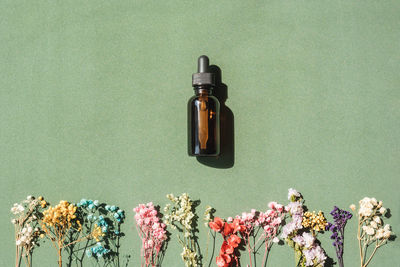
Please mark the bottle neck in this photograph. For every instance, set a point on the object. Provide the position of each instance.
(203, 90)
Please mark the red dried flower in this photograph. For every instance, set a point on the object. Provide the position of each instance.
(223, 260)
(226, 248)
(234, 241)
(228, 229)
(217, 224)
(228, 255)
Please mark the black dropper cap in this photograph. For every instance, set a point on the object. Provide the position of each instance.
(203, 76)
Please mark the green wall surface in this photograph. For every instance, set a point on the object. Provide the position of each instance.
(93, 99)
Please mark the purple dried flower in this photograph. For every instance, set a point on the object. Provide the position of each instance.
(340, 218)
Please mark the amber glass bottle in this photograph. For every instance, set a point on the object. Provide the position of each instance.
(203, 114)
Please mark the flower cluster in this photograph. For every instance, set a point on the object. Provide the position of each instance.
(315, 222)
(27, 234)
(180, 215)
(61, 217)
(300, 232)
(340, 218)
(369, 206)
(295, 209)
(229, 250)
(97, 251)
(151, 231)
(17, 209)
(97, 233)
(270, 221)
(102, 223)
(90, 204)
(371, 212)
(267, 223)
(90, 207)
(313, 254)
(189, 256)
(118, 214)
(27, 229)
(371, 228)
(181, 212)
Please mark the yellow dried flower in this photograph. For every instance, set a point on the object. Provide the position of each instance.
(43, 203)
(97, 233)
(60, 216)
(316, 222)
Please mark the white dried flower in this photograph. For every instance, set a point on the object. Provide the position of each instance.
(387, 234)
(382, 210)
(366, 207)
(369, 230)
(17, 208)
(377, 219)
(189, 257)
(380, 233)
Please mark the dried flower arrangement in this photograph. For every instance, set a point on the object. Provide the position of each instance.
(93, 229)
(67, 225)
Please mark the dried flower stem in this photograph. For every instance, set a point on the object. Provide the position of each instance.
(359, 242)
(249, 250)
(17, 254)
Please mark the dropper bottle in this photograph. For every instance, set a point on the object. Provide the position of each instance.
(203, 113)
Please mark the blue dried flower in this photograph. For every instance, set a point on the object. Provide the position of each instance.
(83, 202)
(97, 251)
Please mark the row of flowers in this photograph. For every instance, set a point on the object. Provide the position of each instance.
(93, 229)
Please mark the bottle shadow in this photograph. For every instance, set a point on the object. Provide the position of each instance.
(226, 158)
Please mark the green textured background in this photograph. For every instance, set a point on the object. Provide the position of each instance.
(93, 104)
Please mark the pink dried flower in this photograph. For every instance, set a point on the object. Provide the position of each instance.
(268, 223)
(151, 231)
